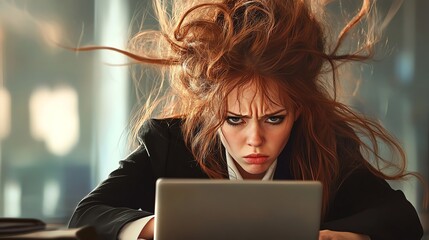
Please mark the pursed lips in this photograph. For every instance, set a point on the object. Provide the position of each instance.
(256, 158)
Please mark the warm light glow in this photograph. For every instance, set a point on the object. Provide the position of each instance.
(23, 22)
(51, 196)
(50, 32)
(12, 199)
(5, 101)
(4, 113)
(54, 118)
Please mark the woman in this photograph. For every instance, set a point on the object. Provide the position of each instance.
(247, 100)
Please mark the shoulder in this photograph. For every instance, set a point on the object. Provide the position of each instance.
(160, 129)
(348, 148)
(161, 139)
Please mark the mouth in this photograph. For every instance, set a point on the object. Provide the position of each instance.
(256, 158)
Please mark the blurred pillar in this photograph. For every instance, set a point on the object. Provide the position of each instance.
(111, 86)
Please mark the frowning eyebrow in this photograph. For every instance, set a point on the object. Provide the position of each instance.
(266, 115)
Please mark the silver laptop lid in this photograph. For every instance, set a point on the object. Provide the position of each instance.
(225, 209)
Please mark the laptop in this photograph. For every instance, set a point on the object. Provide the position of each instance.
(204, 209)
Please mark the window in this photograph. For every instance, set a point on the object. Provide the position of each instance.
(63, 115)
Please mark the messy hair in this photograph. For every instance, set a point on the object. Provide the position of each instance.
(207, 48)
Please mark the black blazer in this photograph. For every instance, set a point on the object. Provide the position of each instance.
(363, 204)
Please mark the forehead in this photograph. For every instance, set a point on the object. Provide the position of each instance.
(261, 96)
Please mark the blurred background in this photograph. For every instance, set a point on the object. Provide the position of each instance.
(64, 115)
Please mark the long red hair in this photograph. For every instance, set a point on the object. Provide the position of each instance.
(205, 49)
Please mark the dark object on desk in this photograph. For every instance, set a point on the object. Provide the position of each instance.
(28, 228)
(19, 225)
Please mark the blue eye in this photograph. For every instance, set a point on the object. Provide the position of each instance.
(234, 120)
(275, 119)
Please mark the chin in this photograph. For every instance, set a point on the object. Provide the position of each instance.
(256, 171)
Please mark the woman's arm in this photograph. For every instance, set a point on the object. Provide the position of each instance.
(148, 231)
(118, 200)
(129, 192)
(367, 204)
(333, 235)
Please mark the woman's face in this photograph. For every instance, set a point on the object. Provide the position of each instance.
(255, 131)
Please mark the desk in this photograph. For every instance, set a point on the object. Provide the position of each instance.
(83, 233)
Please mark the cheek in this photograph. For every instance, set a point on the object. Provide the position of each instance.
(227, 135)
(279, 141)
(280, 137)
(232, 138)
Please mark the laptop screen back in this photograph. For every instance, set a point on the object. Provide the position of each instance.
(225, 209)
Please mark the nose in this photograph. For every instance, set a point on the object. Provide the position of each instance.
(255, 136)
